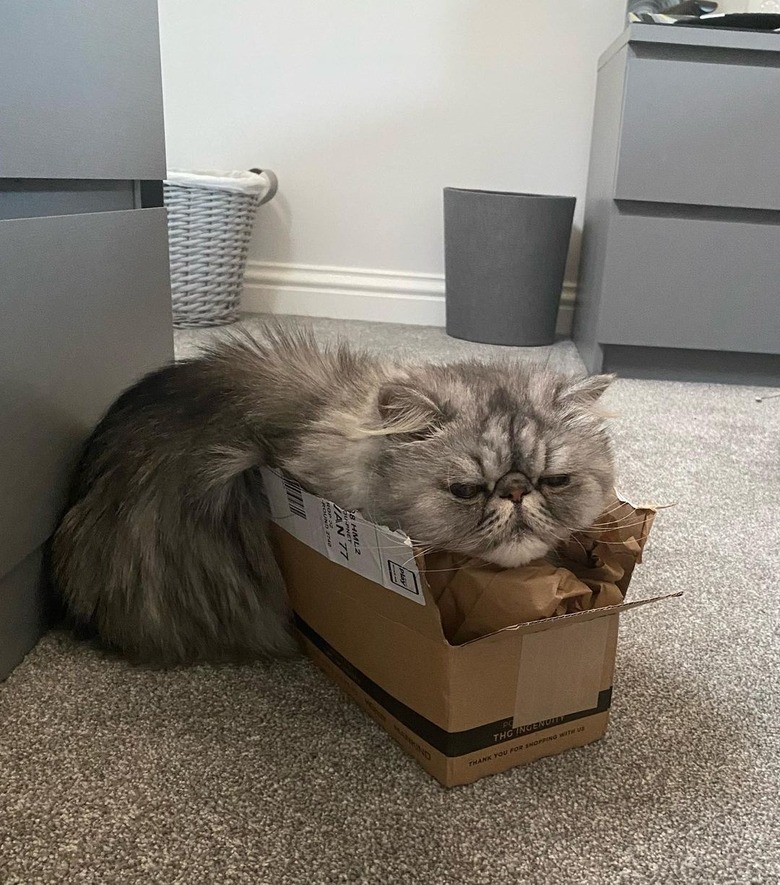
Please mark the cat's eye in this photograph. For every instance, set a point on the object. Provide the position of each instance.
(465, 490)
(557, 481)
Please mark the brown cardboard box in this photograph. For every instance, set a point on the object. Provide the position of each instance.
(462, 711)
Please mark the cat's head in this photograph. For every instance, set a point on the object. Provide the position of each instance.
(495, 461)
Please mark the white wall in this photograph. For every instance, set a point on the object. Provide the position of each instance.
(366, 109)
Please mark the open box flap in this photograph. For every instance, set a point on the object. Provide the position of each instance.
(560, 620)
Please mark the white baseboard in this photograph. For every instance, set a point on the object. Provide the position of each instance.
(351, 293)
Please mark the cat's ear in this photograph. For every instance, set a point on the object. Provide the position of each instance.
(585, 391)
(404, 409)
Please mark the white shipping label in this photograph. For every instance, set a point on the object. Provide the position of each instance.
(351, 541)
(293, 509)
(399, 566)
(344, 536)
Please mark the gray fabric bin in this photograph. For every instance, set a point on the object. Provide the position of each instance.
(505, 257)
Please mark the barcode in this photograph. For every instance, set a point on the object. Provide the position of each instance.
(295, 497)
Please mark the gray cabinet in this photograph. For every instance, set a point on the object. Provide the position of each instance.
(84, 281)
(81, 95)
(681, 245)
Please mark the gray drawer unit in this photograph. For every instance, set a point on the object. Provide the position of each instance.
(701, 127)
(23, 606)
(75, 331)
(681, 245)
(81, 94)
(84, 278)
(675, 278)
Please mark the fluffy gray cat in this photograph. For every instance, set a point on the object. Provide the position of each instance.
(163, 548)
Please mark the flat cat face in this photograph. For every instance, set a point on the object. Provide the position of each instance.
(492, 461)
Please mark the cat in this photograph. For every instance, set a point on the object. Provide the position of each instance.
(163, 549)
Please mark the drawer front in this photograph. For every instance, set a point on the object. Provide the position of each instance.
(23, 602)
(85, 306)
(81, 90)
(702, 131)
(692, 283)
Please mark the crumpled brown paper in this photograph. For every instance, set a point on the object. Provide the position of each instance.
(591, 570)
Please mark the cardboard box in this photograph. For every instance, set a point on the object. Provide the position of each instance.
(367, 617)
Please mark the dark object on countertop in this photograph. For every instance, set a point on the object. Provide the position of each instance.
(748, 21)
(691, 7)
(670, 7)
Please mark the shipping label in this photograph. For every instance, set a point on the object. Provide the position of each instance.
(344, 536)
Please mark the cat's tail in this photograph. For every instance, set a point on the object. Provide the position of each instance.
(204, 587)
(163, 550)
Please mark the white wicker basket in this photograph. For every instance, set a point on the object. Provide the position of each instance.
(210, 221)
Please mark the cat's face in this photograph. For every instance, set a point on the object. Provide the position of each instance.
(495, 462)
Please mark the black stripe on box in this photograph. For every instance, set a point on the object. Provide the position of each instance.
(449, 743)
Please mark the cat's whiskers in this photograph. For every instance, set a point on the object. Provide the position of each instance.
(603, 529)
(616, 506)
(577, 541)
(472, 562)
(597, 541)
(616, 520)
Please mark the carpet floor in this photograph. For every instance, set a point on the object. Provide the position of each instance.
(253, 774)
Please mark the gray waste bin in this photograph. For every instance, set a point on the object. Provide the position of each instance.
(505, 257)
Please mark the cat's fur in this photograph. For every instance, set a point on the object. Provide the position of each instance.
(163, 548)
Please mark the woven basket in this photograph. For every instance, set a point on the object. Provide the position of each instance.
(210, 221)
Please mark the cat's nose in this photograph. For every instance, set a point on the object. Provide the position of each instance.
(514, 488)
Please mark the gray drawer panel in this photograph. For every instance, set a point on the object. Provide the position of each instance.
(701, 132)
(81, 90)
(692, 283)
(22, 611)
(85, 302)
(30, 198)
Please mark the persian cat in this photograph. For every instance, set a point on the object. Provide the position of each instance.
(163, 548)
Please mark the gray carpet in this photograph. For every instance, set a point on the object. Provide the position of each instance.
(110, 774)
